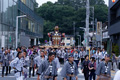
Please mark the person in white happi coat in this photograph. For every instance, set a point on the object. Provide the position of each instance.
(17, 65)
(62, 56)
(48, 69)
(25, 64)
(5, 62)
(40, 58)
(67, 55)
(57, 61)
(76, 57)
(98, 57)
(82, 54)
(16, 51)
(70, 69)
(10, 53)
(46, 53)
(92, 52)
(103, 53)
(32, 63)
(61, 53)
(39, 50)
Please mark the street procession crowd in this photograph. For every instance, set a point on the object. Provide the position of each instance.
(45, 62)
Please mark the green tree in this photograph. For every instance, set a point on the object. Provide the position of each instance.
(101, 12)
(63, 15)
(115, 48)
(48, 27)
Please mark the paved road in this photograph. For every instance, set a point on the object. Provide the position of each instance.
(11, 76)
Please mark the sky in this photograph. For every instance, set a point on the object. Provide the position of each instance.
(40, 2)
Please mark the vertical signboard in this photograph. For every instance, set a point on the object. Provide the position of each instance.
(99, 28)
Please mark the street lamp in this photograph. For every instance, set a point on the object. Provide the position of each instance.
(85, 36)
(87, 21)
(17, 28)
(82, 28)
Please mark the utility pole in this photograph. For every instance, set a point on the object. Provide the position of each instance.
(87, 22)
(101, 34)
(74, 28)
(93, 26)
(93, 19)
(80, 40)
(95, 32)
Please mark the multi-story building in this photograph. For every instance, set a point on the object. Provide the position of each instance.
(30, 28)
(114, 22)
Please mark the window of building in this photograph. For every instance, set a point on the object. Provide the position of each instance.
(24, 1)
(24, 23)
(33, 30)
(5, 11)
(29, 25)
(118, 12)
(40, 29)
(0, 10)
(15, 13)
(10, 15)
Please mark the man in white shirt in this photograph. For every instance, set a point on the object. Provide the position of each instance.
(117, 75)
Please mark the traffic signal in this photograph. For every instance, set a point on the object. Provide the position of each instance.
(113, 1)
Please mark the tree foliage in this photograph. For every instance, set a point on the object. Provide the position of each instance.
(63, 15)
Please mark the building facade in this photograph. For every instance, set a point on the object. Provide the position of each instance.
(68, 40)
(114, 22)
(30, 28)
(105, 37)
